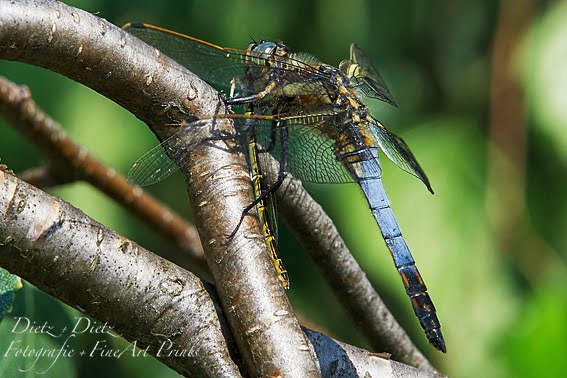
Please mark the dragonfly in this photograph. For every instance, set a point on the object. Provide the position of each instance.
(315, 120)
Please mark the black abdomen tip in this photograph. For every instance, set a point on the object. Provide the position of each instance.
(435, 337)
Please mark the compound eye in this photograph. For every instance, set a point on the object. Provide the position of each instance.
(265, 47)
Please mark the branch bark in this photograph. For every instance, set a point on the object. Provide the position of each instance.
(86, 49)
(144, 297)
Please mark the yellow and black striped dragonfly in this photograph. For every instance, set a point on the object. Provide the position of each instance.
(313, 118)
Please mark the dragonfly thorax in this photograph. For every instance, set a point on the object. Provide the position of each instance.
(349, 68)
(348, 99)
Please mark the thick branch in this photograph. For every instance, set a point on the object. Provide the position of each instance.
(348, 361)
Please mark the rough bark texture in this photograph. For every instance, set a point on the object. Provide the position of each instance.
(79, 261)
(69, 161)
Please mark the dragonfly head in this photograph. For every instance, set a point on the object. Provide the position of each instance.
(269, 48)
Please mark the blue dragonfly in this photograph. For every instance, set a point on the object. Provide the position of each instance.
(313, 118)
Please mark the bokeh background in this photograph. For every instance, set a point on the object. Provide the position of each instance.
(482, 94)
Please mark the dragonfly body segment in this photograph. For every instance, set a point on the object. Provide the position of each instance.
(315, 121)
(366, 172)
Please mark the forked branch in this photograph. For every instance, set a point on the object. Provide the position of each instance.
(94, 52)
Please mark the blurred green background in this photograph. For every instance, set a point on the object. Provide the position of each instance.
(482, 94)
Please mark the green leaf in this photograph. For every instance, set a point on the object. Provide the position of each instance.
(8, 285)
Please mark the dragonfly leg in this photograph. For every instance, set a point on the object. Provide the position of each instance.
(244, 100)
(271, 190)
(282, 174)
(252, 98)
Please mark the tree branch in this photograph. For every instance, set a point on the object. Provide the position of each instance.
(42, 177)
(82, 263)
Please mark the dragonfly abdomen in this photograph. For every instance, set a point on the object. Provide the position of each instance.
(415, 287)
(263, 217)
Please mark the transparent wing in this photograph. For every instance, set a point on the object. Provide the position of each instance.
(310, 149)
(369, 81)
(398, 152)
(313, 158)
(219, 65)
(154, 166)
(310, 143)
(166, 158)
(206, 60)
